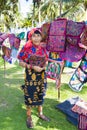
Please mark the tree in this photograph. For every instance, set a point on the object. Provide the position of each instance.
(51, 9)
(8, 13)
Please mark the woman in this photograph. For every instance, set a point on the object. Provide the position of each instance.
(35, 78)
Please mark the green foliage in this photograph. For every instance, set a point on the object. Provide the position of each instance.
(85, 4)
(8, 13)
(27, 22)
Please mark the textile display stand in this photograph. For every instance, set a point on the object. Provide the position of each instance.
(4, 68)
(62, 67)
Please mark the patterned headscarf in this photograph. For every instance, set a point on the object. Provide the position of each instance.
(29, 48)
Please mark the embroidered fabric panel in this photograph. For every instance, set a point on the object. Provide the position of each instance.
(53, 70)
(84, 37)
(56, 36)
(77, 80)
(58, 27)
(72, 40)
(37, 60)
(80, 107)
(45, 28)
(72, 53)
(74, 28)
(80, 76)
(56, 43)
(3, 36)
(54, 56)
(14, 41)
(10, 53)
(82, 125)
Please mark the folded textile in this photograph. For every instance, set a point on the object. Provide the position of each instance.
(73, 120)
(80, 107)
(66, 107)
(82, 125)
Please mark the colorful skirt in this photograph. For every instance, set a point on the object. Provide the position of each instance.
(34, 88)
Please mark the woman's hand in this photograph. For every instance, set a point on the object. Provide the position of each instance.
(44, 67)
(23, 64)
(37, 68)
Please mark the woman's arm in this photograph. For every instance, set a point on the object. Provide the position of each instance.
(26, 65)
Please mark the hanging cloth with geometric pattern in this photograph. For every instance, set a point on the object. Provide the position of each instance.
(79, 78)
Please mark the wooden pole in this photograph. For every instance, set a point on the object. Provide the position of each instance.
(60, 11)
(4, 68)
(58, 93)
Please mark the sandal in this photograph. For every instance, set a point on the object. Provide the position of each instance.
(29, 122)
(43, 117)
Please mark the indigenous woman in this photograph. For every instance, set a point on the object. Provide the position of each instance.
(35, 77)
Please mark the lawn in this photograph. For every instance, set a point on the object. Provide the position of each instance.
(12, 108)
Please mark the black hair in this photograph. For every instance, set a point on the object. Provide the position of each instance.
(37, 32)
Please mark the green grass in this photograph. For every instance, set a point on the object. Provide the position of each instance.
(12, 108)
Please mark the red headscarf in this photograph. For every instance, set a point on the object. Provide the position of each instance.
(29, 48)
(29, 42)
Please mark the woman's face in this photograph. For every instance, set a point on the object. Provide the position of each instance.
(36, 39)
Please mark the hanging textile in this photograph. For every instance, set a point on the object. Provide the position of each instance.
(3, 36)
(57, 35)
(73, 52)
(54, 56)
(14, 41)
(21, 35)
(10, 53)
(6, 53)
(73, 31)
(84, 38)
(45, 28)
(54, 68)
(80, 76)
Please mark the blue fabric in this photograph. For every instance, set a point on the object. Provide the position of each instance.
(66, 106)
(73, 120)
(68, 64)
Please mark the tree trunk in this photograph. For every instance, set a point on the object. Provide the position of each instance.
(39, 16)
(60, 10)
